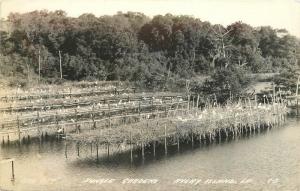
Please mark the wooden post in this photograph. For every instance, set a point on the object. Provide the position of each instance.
(280, 95)
(242, 129)
(12, 171)
(139, 107)
(154, 145)
(226, 132)
(108, 150)
(297, 89)
(274, 93)
(131, 154)
(91, 149)
(178, 147)
(97, 148)
(198, 97)
(19, 131)
(143, 151)
(66, 150)
(60, 65)
(39, 65)
(166, 149)
(77, 128)
(93, 117)
(189, 99)
(216, 100)
(193, 105)
(192, 138)
(200, 137)
(109, 123)
(38, 122)
(78, 149)
(56, 119)
(152, 106)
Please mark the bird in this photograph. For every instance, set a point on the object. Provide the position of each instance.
(59, 130)
(120, 102)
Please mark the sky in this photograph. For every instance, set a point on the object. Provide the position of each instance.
(276, 13)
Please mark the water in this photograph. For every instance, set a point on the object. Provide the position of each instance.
(269, 161)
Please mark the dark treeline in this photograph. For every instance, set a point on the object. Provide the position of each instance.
(152, 53)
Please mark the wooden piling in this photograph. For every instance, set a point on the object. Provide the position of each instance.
(97, 151)
(19, 131)
(109, 114)
(188, 105)
(139, 107)
(38, 125)
(255, 97)
(200, 138)
(192, 134)
(12, 171)
(93, 117)
(56, 119)
(143, 150)
(39, 65)
(78, 149)
(193, 106)
(152, 106)
(166, 149)
(154, 145)
(60, 65)
(66, 151)
(197, 104)
(108, 151)
(76, 125)
(92, 149)
(178, 141)
(131, 154)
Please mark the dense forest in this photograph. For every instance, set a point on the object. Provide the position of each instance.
(150, 52)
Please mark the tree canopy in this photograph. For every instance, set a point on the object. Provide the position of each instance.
(131, 46)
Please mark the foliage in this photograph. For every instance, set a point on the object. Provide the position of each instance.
(152, 53)
(227, 82)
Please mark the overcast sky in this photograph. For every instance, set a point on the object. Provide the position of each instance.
(276, 13)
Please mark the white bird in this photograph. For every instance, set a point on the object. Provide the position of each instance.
(123, 146)
(59, 130)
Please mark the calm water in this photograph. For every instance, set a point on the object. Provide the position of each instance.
(269, 161)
